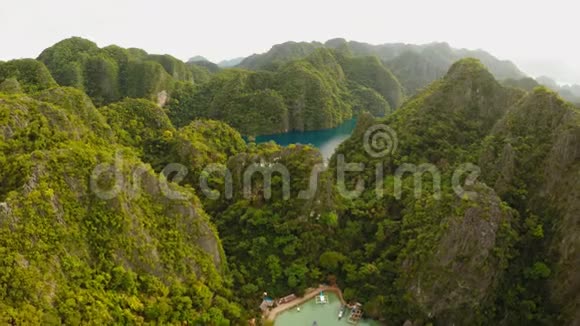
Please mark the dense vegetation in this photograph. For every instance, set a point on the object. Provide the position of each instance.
(513, 271)
(72, 257)
(112, 73)
(24, 75)
(495, 258)
(319, 91)
(416, 66)
(128, 246)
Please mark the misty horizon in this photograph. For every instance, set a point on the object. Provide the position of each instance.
(537, 44)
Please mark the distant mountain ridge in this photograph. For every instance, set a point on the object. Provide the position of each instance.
(230, 62)
(197, 58)
(414, 65)
(568, 92)
(112, 73)
(319, 91)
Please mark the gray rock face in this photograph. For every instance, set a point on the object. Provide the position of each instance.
(463, 271)
(535, 148)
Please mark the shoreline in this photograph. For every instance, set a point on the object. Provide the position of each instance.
(310, 293)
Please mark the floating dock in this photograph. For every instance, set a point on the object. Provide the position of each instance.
(356, 314)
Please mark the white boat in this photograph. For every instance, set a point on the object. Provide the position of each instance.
(321, 299)
(341, 312)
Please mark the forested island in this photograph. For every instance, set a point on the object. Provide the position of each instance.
(506, 254)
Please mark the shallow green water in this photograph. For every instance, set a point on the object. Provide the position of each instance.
(326, 140)
(323, 314)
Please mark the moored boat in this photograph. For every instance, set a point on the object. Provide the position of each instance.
(341, 312)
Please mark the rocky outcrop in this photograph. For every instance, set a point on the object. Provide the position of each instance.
(532, 158)
(453, 284)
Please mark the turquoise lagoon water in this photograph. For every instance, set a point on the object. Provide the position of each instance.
(323, 314)
(326, 140)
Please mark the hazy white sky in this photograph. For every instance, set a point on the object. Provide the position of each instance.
(541, 37)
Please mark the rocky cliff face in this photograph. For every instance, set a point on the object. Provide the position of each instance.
(505, 257)
(532, 159)
(439, 55)
(453, 284)
(370, 72)
(137, 210)
(85, 223)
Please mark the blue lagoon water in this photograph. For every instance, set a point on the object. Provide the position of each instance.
(326, 140)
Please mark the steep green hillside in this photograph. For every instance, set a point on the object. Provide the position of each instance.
(424, 256)
(442, 123)
(531, 159)
(320, 91)
(112, 73)
(415, 71)
(568, 92)
(440, 55)
(315, 92)
(28, 125)
(204, 64)
(364, 99)
(272, 244)
(509, 259)
(231, 96)
(369, 72)
(78, 104)
(279, 54)
(90, 234)
(527, 84)
(201, 144)
(30, 75)
(415, 66)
